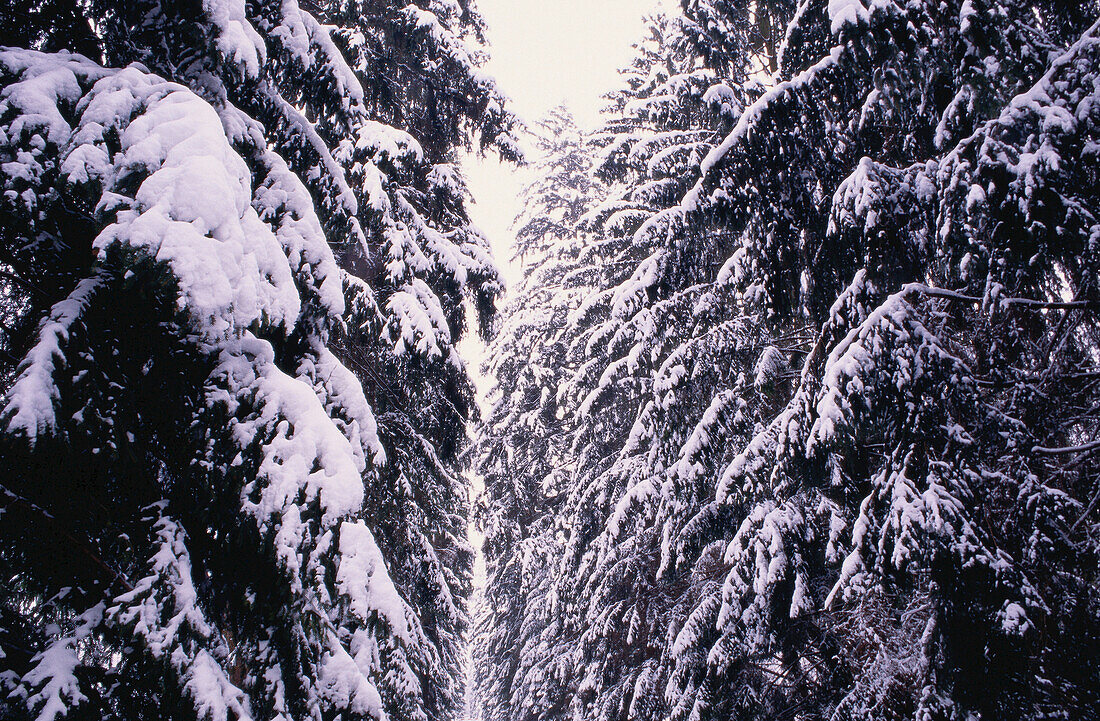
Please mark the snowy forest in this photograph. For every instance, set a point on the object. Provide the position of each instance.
(794, 413)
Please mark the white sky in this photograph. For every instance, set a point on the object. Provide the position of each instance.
(545, 52)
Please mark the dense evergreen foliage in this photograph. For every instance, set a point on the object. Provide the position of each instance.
(797, 404)
(234, 252)
(524, 448)
(824, 423)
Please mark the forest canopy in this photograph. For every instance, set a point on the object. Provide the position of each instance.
(795, 410)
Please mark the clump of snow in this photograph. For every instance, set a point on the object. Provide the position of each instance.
(846, 12)
(29, 404)
(1014, 619)
(193, 209)
(360, 575)
(237, 39)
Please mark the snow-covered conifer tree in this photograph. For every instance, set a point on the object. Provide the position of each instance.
(524, 447)
(660, 127)
(213, 244)
(835, 450)
(874, 558)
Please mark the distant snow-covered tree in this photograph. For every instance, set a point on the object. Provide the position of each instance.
(523, 448)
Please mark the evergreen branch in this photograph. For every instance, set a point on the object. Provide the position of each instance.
(1004, 301)
(1067, 450)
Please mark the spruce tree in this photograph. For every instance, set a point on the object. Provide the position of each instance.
(835, 436)
(203, 269)
(900, 446)
(523, 447)
(663, 124)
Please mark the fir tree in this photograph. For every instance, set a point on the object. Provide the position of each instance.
(239, 238)
(523, 449)
(835, 425)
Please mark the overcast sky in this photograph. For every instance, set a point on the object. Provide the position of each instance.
(545, 52)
